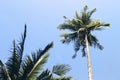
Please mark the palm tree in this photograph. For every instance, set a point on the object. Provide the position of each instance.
(81, 27)
(28, 68)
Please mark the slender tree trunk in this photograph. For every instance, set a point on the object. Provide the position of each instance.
(88, 60)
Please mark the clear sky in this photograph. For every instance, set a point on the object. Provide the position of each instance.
(42, 18)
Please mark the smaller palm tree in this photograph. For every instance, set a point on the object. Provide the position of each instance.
(29, 68)
(81, 28)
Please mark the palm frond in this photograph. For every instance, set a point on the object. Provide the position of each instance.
(93, 25)
(77, 16)
(89, 13)
(20, 47)
(97, 25)
(63, 78)
(65, 38)
(61, 69)
(65, 17)
(94, 41)
(72, 25)
(47, 48)
(83, 51)
(4, 75)
(104, 24)
(37, 67)
(25, 68)
(45, 75)
(14, 62)
(30, 68)
(68, 37)
(84, 15)
(85, 8)
(32, 65)
(66, 26)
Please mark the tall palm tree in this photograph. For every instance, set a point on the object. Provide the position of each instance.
(28, 68)
(81, 27)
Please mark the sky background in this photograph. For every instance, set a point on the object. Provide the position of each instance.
(43, 17)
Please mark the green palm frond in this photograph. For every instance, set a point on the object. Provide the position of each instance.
(25, 68)
(105, 24)
(37, 67)
(86, 15)
(96, 25)
(68, 37)
(89, 14)
(77, 16)
(65, 26)
(63, 78)
(71, 24)
(30, 69)
(4, 75)
(93, 41)
(20, 47)
(47, 48)
(61, 69)
(32, 65)
(14, 62)
(45, 75)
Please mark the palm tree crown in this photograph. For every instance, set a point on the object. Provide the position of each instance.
(30, 68)
(80, 26)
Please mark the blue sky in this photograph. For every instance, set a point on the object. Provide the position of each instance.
(42, 18)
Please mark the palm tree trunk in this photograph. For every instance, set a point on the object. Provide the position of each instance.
(88, 59)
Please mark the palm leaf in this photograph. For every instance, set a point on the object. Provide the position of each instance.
(77, 16)
(67, 26)
(14, 62)
(89, 14)
(62, 78)
(61, 69)
(32, 65)
(37, 67)
(4, 75)
(45, 75)
(68, 37)
(94, 41)
(30, 69)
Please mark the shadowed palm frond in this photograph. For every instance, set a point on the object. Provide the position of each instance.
(93, 41)
(68, 37)
(37, 67)
(63, 78)
(47, 48)
(31, 68)
(67, 26)
(4, 75)
(61, 69)
(32, 65)
(14, 62)
(45, 75)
